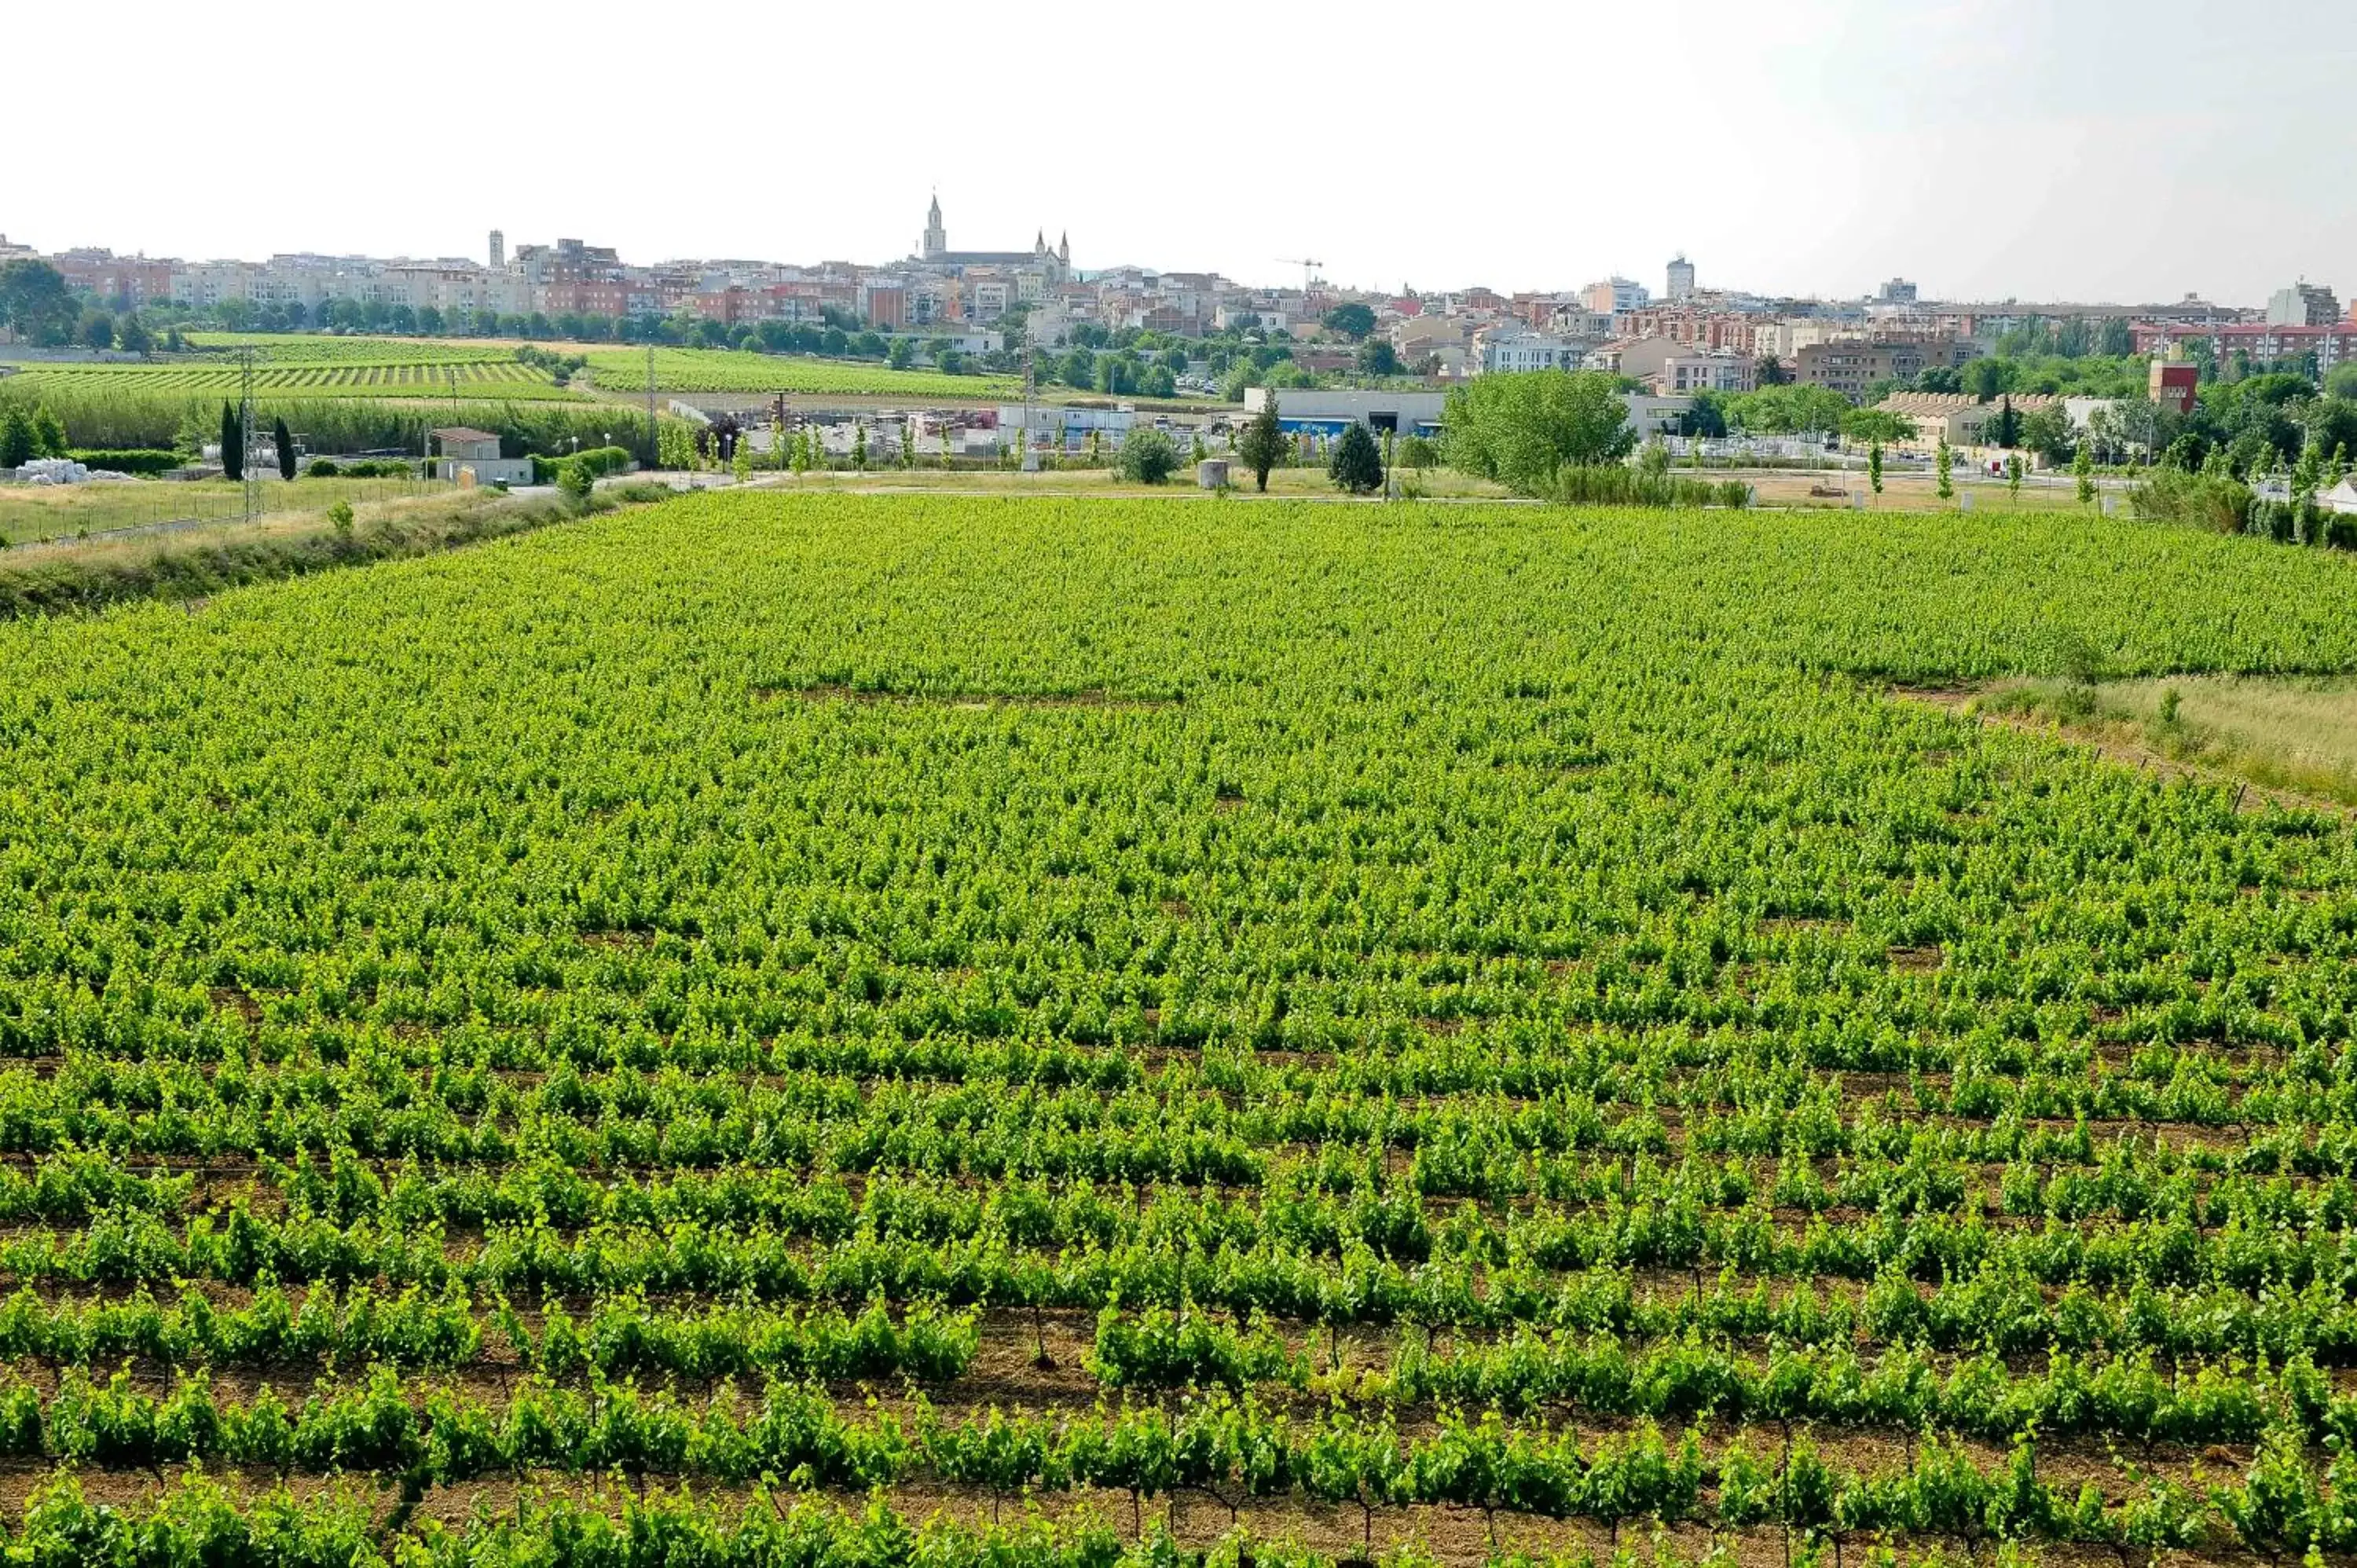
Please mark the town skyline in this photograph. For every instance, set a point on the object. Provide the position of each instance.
(2101, 152)
(1654, 280)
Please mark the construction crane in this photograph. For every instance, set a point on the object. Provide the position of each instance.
(1304, 265)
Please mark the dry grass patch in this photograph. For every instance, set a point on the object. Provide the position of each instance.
(2287, 741)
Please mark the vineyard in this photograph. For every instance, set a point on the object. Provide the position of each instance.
(300, 375)
(847, 1030)
(287, 348)
(734, 370)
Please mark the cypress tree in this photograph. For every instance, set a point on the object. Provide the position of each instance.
(232, 444)
(285, 443)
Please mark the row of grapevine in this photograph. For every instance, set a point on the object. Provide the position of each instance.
(1227, 1451)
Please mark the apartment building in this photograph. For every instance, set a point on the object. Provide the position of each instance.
(1501, 349)
(2302, 304)
(1852, 366)
(1691, 372)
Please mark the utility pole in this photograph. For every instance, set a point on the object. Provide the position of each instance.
(252, 485)
(654, 445)
(1030, 390)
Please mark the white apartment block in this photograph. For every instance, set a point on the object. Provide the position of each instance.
(1498, 351)
(1683, 374)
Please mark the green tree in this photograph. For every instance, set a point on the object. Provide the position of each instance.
(1769, 371)
(1874, 467)
(135, 337)
(902, 353)
(190, 438)
(1355, 466)
(1985, 378)
(859, 448)
(1796, 410)
(1353, 321)
(1263, 445)
(1518, 428)
(1377, 357)
(48, 435)
(2007, 433)
(16, 439)
(34, 302)
(2048, 433)
(2013, 477)
(98, 330)
(1875, 425)
(574, 481)
(1944, 467)
(280, 438)
(1147, 456)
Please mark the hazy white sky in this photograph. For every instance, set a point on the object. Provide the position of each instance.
(2097, 149)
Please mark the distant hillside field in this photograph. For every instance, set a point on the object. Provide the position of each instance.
(304, 371)
(734, 370)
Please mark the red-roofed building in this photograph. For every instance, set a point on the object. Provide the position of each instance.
(2263, 341)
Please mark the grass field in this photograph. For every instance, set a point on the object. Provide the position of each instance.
(853, 1029)
(31, 513)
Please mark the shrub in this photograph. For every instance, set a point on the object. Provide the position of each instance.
(2207, 500)
(1615, 484)
(599, 461)
(322, 468)
(131, 460)
(573, 478)
(1148, 456)
(340, 514)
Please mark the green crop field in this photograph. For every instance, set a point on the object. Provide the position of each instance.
(847, 1030)
(734, 370)
(286, 348)
(424, 377)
